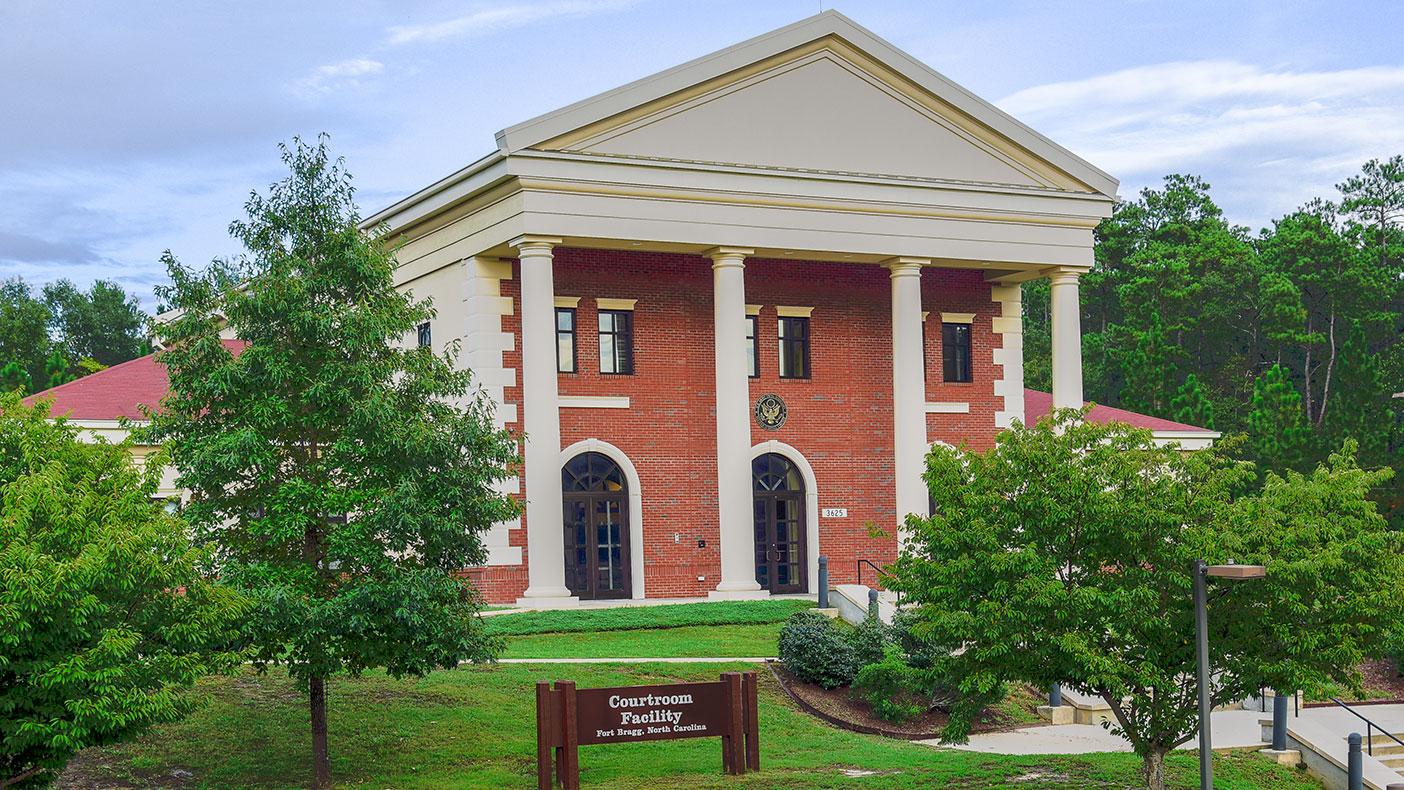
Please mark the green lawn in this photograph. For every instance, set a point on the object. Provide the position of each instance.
(720, 641)
(474, 728)
(632, 617)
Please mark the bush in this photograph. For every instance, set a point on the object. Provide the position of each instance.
(814, 651)
(922, 651)
(893, 688)
(870, 640)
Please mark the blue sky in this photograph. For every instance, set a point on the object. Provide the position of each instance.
(129, 128)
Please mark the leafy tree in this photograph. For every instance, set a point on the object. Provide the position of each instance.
(103, 324)
(344, 476)
(1276, 433)
(1190, 405)
(105, 616)
(1064, 555)
(56, 369)
(13, 377)
(24, 321)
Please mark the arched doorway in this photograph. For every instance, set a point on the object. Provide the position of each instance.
(781, 553)
(596, 504)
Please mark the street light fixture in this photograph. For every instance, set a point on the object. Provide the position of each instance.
(1202, 572)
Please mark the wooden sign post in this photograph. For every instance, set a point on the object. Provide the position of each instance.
(568, 718)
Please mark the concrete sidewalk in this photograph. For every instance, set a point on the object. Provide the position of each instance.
(1231, 729)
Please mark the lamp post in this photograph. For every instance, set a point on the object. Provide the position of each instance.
(1202, 572)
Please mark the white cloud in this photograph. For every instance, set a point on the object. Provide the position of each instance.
(337, 76)
(1271, 138)
(491, 20)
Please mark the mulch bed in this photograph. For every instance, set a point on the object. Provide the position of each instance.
(838, 707)
(1381, 679)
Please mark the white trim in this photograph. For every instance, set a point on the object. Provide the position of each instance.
(615, 304)
(794, 312)
(957, 318)
(1188, 440)
(631, 479)
(572, 302)
(753, 309)
(947, 408)
(594, 401)
(925, 314)
(811, 502)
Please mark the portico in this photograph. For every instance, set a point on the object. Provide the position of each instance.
(653, 185)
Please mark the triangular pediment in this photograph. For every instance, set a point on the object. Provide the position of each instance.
(821, 95)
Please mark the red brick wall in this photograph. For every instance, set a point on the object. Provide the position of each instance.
(840, 419)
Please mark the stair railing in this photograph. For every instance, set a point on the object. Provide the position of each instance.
(1369, 727)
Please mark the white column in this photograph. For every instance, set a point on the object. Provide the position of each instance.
(738, 543)
(908, 388)
(1067, 339)
(542, 423)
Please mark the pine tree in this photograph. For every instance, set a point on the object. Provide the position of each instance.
(1359, 400)
(56, 369)
(1191, 406)
(14, 377)
(1277, 430)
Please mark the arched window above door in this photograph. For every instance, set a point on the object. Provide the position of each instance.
(592, 472)
(775, 472)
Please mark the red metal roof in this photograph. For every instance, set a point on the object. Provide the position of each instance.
(113, 392)
(1039, 404)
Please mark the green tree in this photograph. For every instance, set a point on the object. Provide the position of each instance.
(1190, 405)
(1375, 198)
(104, 323)
(13, 377)
(345, 476)
(1277, 433)
(1064, 555)
(56, 370)
(105, 617)
(24, 327)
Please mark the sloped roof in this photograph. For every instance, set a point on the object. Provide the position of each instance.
(1039, 404)
(115, 392)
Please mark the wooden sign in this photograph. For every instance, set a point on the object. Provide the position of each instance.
(568, 718)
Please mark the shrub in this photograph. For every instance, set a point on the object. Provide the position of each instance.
(893, 688)
(813, 649)
(922, 651)
(870, 640)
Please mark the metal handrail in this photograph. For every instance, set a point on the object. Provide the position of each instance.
(1369, 726)
(881, 573)
(869, 563)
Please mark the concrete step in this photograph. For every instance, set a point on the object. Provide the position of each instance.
(1393, 762)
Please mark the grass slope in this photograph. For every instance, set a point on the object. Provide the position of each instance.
(627, 618)
(710, 641)
(474, 728)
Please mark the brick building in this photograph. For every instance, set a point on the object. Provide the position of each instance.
(733, 304)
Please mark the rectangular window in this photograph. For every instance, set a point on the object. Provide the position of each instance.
(423, 331)
(752, 346)
(565, 339)
(617, 341)
(794, 347)
(955, 352)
